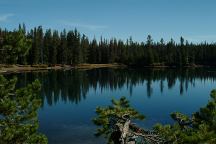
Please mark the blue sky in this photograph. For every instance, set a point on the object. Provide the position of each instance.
(193, 19)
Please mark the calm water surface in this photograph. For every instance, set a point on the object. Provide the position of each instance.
(70, 97)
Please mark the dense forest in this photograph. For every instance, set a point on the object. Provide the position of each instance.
(39, 46)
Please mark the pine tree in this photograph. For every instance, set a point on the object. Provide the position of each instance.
(84, 47)
(77, 51)
(150, 58)
(35, 47)
(16, 47)
(40, 44)
(118, 109)
(63, 50)
(201, 128)
(47, 46)
(70, 35)
(18, 110)
(55, 45)
(92, 51)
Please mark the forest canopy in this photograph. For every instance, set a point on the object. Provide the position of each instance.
(39, 46)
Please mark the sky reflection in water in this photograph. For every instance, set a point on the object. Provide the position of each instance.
(70, 97)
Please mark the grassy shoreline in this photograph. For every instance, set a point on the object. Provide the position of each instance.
(28, 68)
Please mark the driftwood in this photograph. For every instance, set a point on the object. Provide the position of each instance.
(132, 134)
(124, 129)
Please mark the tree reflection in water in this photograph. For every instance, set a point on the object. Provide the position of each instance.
(73, 85)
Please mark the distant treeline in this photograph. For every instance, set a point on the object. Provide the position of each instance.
(38, 46)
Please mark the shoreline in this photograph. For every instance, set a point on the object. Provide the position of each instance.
(29, 68)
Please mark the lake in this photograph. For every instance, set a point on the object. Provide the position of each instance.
(70, 97)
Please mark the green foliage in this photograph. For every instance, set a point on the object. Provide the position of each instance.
(118, 108)
(53, 50)
(15, 47)
(54, 47)
(201, 128)
(18, 113)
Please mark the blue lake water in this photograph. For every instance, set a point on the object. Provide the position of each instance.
(70, 97)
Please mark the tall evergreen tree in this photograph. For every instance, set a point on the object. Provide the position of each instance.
(150, 55)
(35, 48)
(70, 36)
(84, 47)
(47, 46)
(63, 50)
(55, 45)
(40, 37)
(15, 47)
(92, 51)
(77, 52)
